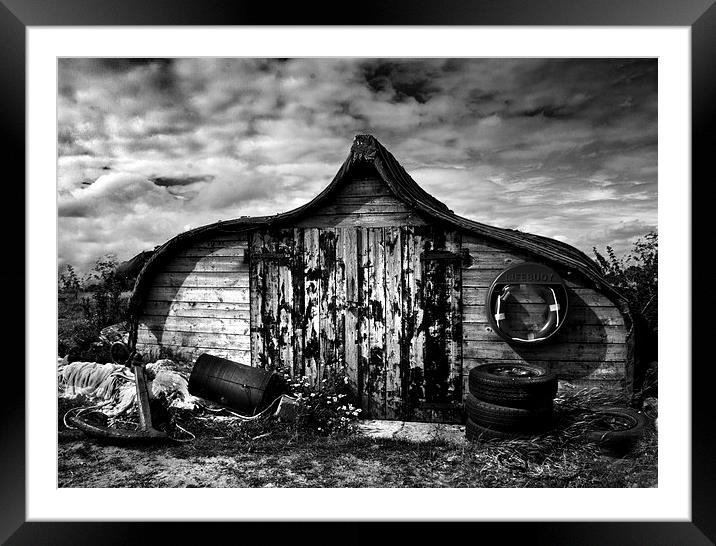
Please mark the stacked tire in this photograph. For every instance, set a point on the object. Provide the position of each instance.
(509, 401)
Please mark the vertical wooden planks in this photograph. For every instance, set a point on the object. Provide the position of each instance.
(352, 305)
(435, 319)
(363, 298)
(269, 309)
(298, 276)
(271, 300)
(453, 323)
(364, 267)
(411, 376)
(256, 289)
(340, 299)
(311, 348)
(327, 295)
(376, 313)
(285, 246)
(416, 326)
(393, 321)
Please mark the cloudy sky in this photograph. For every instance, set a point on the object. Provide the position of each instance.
(147, 148)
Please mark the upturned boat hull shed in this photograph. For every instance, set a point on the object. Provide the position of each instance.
(380, 281)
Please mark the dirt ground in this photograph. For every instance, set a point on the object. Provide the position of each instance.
(283, 459)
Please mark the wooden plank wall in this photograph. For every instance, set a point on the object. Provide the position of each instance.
(345, 289)
(199, 302)
(367, 202)
(590, 350)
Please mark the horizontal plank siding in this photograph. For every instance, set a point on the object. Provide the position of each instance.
(571, 369)
(180, 353)
(473, 331)
(608, 316)
(372, 220)
(364, 188)
(193, 339)
(202, 280)
(205, 325)
(500, 350)
(389, 207)
(363, 203)
(208, 264)
(385, 200)
(199, 302)
(192, 294)
(592, 347)
(197, 309)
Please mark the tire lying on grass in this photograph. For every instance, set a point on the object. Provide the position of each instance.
(514, 385)
(615, 430)
(506, 419)
(475, 432)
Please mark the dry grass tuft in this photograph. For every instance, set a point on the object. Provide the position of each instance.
(564, 454)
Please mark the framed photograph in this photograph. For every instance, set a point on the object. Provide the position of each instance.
(551, 138)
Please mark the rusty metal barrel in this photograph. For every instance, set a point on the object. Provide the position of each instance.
(235, 385)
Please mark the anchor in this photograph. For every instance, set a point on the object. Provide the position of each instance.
(121, 354)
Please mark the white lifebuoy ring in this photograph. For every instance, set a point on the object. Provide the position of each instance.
(552, 320)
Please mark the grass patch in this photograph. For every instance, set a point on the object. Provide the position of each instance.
(229, 452)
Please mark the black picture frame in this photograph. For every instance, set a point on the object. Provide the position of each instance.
(698, 15)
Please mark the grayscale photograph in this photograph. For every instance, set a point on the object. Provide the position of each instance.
(357, 272)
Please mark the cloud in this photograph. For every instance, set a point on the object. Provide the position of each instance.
(560, 147)
(116, 192)
(169, 181)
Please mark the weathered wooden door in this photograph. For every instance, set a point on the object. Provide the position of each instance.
(380, 304)
(273, 318)
(433, 327)
(410, 347)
